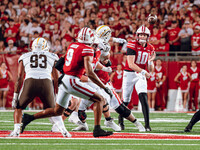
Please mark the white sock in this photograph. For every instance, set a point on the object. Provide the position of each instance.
(17, 126)
(74, 113)
(58, 121)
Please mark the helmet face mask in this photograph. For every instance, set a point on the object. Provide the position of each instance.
(143, 34)
(104, 32)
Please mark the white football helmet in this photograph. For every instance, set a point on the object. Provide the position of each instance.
(104, 32)
(39, 44)
(143, 30)
(86, 35)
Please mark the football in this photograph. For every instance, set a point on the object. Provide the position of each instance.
(152, 19)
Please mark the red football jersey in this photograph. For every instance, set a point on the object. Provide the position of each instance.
(173, 34)
(117, 80)
(4, 79)
(74, 62)
(142, 54)
(103, 76)
(184, 80)
(155, 38)
(194, 74)
(160, 72)
(196, 41)
(151, 82)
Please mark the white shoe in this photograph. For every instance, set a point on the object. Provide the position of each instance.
(54, 128)
(73, 118)
(81, 127)
(112, 125)
(139, 126)
(14, 133)
(65, 133)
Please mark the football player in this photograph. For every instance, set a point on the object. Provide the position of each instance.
(139, 53)
(79, 57)
(38, 66)
(115, 102)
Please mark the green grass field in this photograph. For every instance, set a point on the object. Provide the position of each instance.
(167, 123)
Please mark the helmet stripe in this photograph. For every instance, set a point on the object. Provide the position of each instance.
(103, 32)
(101, 27)
(38, 40)
(85, 33)
(82, 33)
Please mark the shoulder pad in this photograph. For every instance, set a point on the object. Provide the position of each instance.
(23, 56)
(53, 56)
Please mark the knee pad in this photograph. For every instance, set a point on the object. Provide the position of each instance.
(82, 115)
(123, 111)
(69, 111)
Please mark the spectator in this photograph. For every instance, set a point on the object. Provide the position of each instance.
(162, 31)
(183, 78)
(11, 49)
(57, 48)
(35, 27)
(24, 31)
(4, 87)
(35, 35)
(163, 46)
(185, 36)
(154, 38)
(2, 47)
(173, 37)
(46, 32)
(195, 41)
(11, 31)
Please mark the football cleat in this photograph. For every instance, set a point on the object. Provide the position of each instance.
(140, 126)
(81, 127)
(188, 128)
(112, 125)
(54, 128)
(73, 118)
(101, 132)
(26, 119)
(65, 133)
(14, 133)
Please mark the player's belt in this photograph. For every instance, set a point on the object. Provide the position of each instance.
(129, 70)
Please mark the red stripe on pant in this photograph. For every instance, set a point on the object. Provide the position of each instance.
(117, 96)
(83, 87)
(78, 89)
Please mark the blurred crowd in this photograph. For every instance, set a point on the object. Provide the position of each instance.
(59, 21)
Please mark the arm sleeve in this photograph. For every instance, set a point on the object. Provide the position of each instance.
(131, 51)
(60, 63)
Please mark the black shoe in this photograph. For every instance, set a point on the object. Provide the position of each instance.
(148, 128)
(121, 122)
(188, 128)
(101, 132)
(26, 119)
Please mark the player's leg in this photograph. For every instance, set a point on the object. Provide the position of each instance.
(73, 118)
(26, 96)
(193, 121)
(127, 86)
(141, 88)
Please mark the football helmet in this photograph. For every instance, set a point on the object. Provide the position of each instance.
(143, 30)
(39, 44)
(86, 35)
(104, 32)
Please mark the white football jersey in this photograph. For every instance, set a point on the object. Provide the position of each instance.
(38, 64)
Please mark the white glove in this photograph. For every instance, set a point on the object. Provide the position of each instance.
(119, 40)
(15, 100)
(107, 69)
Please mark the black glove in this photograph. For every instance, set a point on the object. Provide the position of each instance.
(108, 91)
(60, 63)
(108, 64)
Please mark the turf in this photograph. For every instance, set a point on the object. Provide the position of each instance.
(169, 123)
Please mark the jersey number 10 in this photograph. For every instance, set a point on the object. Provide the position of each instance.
(142, 57)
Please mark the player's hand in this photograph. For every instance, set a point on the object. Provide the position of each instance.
(119, 40)
(152, 56)
(15, 100)
(147, 75)
(108, 91)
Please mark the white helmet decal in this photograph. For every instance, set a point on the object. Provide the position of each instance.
(39, 44)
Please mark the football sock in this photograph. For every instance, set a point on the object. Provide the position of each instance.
(97, 127)
(134, 121)
(145, 107)
(58, 121)
(195, 118)
(17, 126)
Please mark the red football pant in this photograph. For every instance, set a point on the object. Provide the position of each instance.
(194, 93)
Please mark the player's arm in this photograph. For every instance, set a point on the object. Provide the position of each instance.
(90, 72)
(55, 79)
(176, 78)
(103, 68)
(18, 84)
(131, 62)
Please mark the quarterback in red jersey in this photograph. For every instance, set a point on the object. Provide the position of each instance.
(194, 85)
(183, 77)
(79, 57)
(161, 72)
(139, 52)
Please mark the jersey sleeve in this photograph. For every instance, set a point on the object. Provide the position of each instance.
(88, 52)
(131, 48)
(22, 57)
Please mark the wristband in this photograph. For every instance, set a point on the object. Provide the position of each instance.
(15, 96)
(143, 72)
